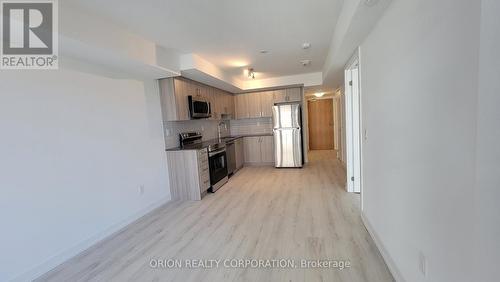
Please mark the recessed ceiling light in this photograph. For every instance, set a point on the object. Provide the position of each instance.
(319, 94)
(305, 62)
(306, 45)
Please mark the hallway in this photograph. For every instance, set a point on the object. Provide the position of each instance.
(261, 213)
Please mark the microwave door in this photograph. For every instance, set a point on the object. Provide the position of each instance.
(198, 108)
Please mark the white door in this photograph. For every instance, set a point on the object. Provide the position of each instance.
(353, 140)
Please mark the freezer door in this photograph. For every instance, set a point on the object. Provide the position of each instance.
(286, 116)
(288, 147)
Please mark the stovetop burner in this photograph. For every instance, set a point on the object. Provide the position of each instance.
(192, 140)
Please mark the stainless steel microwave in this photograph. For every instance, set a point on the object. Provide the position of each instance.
(199, 107)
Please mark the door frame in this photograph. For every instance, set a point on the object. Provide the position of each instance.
(352, 73)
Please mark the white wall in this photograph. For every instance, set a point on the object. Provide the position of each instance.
(487, 242)
(75, 146)
(419, 92)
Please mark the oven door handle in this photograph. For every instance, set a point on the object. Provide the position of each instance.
(211, 154)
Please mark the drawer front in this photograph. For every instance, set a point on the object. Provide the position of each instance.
(203, 170)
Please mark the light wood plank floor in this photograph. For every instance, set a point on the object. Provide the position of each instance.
(262, 213)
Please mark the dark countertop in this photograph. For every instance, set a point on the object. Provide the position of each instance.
(226, 139)
(232, 138)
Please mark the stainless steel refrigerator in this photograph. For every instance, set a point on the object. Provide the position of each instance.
(287, 135)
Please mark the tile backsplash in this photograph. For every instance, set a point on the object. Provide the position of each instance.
(251, 126)
(209, 128)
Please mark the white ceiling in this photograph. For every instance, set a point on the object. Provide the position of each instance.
(319, 88)
(230, 33)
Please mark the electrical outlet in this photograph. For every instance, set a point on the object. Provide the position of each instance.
(141, 189)
(423, 264)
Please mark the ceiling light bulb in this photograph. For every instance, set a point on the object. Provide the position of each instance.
(319, 94)
(306, 45)
(251, 73)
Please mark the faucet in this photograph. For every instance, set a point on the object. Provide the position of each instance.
(219, 129)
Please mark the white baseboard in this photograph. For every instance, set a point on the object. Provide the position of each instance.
(387, 258)
(79, 248)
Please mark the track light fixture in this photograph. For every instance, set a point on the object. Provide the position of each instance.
(251, 73)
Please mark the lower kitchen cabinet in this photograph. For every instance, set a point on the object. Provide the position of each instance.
(259, 150)
(252, 150)
(267, 149)
(189, 174)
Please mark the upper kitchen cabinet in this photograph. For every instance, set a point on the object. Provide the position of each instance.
(241, 106)
(254, 106)
(200, 90)
(267, 103)
(294, 94)
(288, 95)
(229, 108)
(216, 104)
(225, 104)
(174, 99)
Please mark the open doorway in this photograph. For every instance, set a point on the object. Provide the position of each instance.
(353, 123)
(320, 117)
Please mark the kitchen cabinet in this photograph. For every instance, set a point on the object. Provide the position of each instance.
(253, 104)
(241, 106)
(259, 150)
(174, 94)
(216, 104)
(294, 94)
(267, 103)
(174, 101)
(239, 153)
(226, 104)
(252, 150)
(229, 105)
(288, 95)
(189, 174)
(260, 104)
(267, 149)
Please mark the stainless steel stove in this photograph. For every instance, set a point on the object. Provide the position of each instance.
(217, 159)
